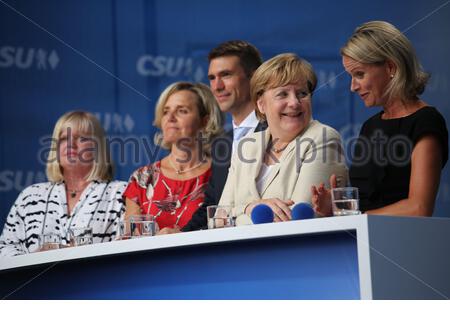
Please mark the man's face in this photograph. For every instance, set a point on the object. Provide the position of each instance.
(229, 83)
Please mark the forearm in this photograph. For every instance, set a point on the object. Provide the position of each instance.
(131, 208)
(405, 207)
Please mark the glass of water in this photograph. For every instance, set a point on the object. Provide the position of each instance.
(136, 226)
(80, 236)
(49, 241)
(220, 217)
(345, 201)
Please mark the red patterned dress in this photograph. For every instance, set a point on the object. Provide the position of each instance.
(171, 202)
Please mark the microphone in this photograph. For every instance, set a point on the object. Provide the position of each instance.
(301, 211)
(262, 214)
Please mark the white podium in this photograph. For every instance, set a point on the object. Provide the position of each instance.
(355, 257)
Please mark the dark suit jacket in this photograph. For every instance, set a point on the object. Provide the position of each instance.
(221, 151)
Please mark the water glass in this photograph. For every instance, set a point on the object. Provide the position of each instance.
(80, 236)
(220, 217)
(49, 241)
(136, 226)
(345, 201)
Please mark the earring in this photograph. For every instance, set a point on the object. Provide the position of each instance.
(392, 76)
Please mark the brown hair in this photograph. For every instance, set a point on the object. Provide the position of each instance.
(249, 57)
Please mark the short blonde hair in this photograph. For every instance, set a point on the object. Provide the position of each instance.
(207, 107)
(87, 123)
(279, 71)
(377, 42)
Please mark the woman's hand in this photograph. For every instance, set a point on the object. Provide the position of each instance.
(48, 247)
(321, 198)
(168, 230)
(280, 208)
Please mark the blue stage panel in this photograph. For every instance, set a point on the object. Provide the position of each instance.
(320, 266)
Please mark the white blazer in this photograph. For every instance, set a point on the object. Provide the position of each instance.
(308, 160)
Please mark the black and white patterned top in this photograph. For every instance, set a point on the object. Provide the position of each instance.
(100, 206)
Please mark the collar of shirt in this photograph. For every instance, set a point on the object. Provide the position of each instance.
(250, 121)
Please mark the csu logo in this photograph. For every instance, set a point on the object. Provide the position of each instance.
(162, 66)
(115, 122)
(23, 58)
(18, 180)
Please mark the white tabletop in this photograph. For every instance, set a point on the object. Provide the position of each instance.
(268, 230)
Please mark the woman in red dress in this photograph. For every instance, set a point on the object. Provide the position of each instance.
(173, 189)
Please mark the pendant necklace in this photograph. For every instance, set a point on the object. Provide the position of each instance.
(73, 192)
(179, 171)
(278, 150)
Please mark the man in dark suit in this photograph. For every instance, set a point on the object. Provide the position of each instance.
(231, 65)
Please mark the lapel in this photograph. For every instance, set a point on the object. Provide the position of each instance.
(281, 162)
(255, 151)
(60, 190)
(221, 150)
(261, 126)
(284, 159)
(229, 141)
(258, 153)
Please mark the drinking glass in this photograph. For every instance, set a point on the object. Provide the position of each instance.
(80, 236)
(345, 201)
(49, 241)
(220, 217)
(136, 226)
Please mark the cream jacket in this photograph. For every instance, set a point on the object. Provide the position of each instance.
(308, 160)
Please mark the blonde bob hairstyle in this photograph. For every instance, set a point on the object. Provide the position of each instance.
(279, 71)
(207, 107)
(86, 123)
(377, 42)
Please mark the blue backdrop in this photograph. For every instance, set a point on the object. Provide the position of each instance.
(114, 58)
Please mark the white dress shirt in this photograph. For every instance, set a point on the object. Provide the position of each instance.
(245, 127)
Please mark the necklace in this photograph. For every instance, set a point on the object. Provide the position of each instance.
(92, 189)
(271, 146)
(73, 192)
(278, 150)
(179, 171)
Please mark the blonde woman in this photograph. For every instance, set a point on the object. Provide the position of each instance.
(172, 189)
(401, 150)
(79, 193)
(278, 166)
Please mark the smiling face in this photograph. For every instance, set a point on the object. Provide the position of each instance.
(369, 80)
(229, 83)
(287, 109)
(180, 117)
(76, 148)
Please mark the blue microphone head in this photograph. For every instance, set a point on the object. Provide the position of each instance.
(262, 214)
(302, 211)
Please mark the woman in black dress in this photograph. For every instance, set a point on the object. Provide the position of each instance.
(400, 152)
